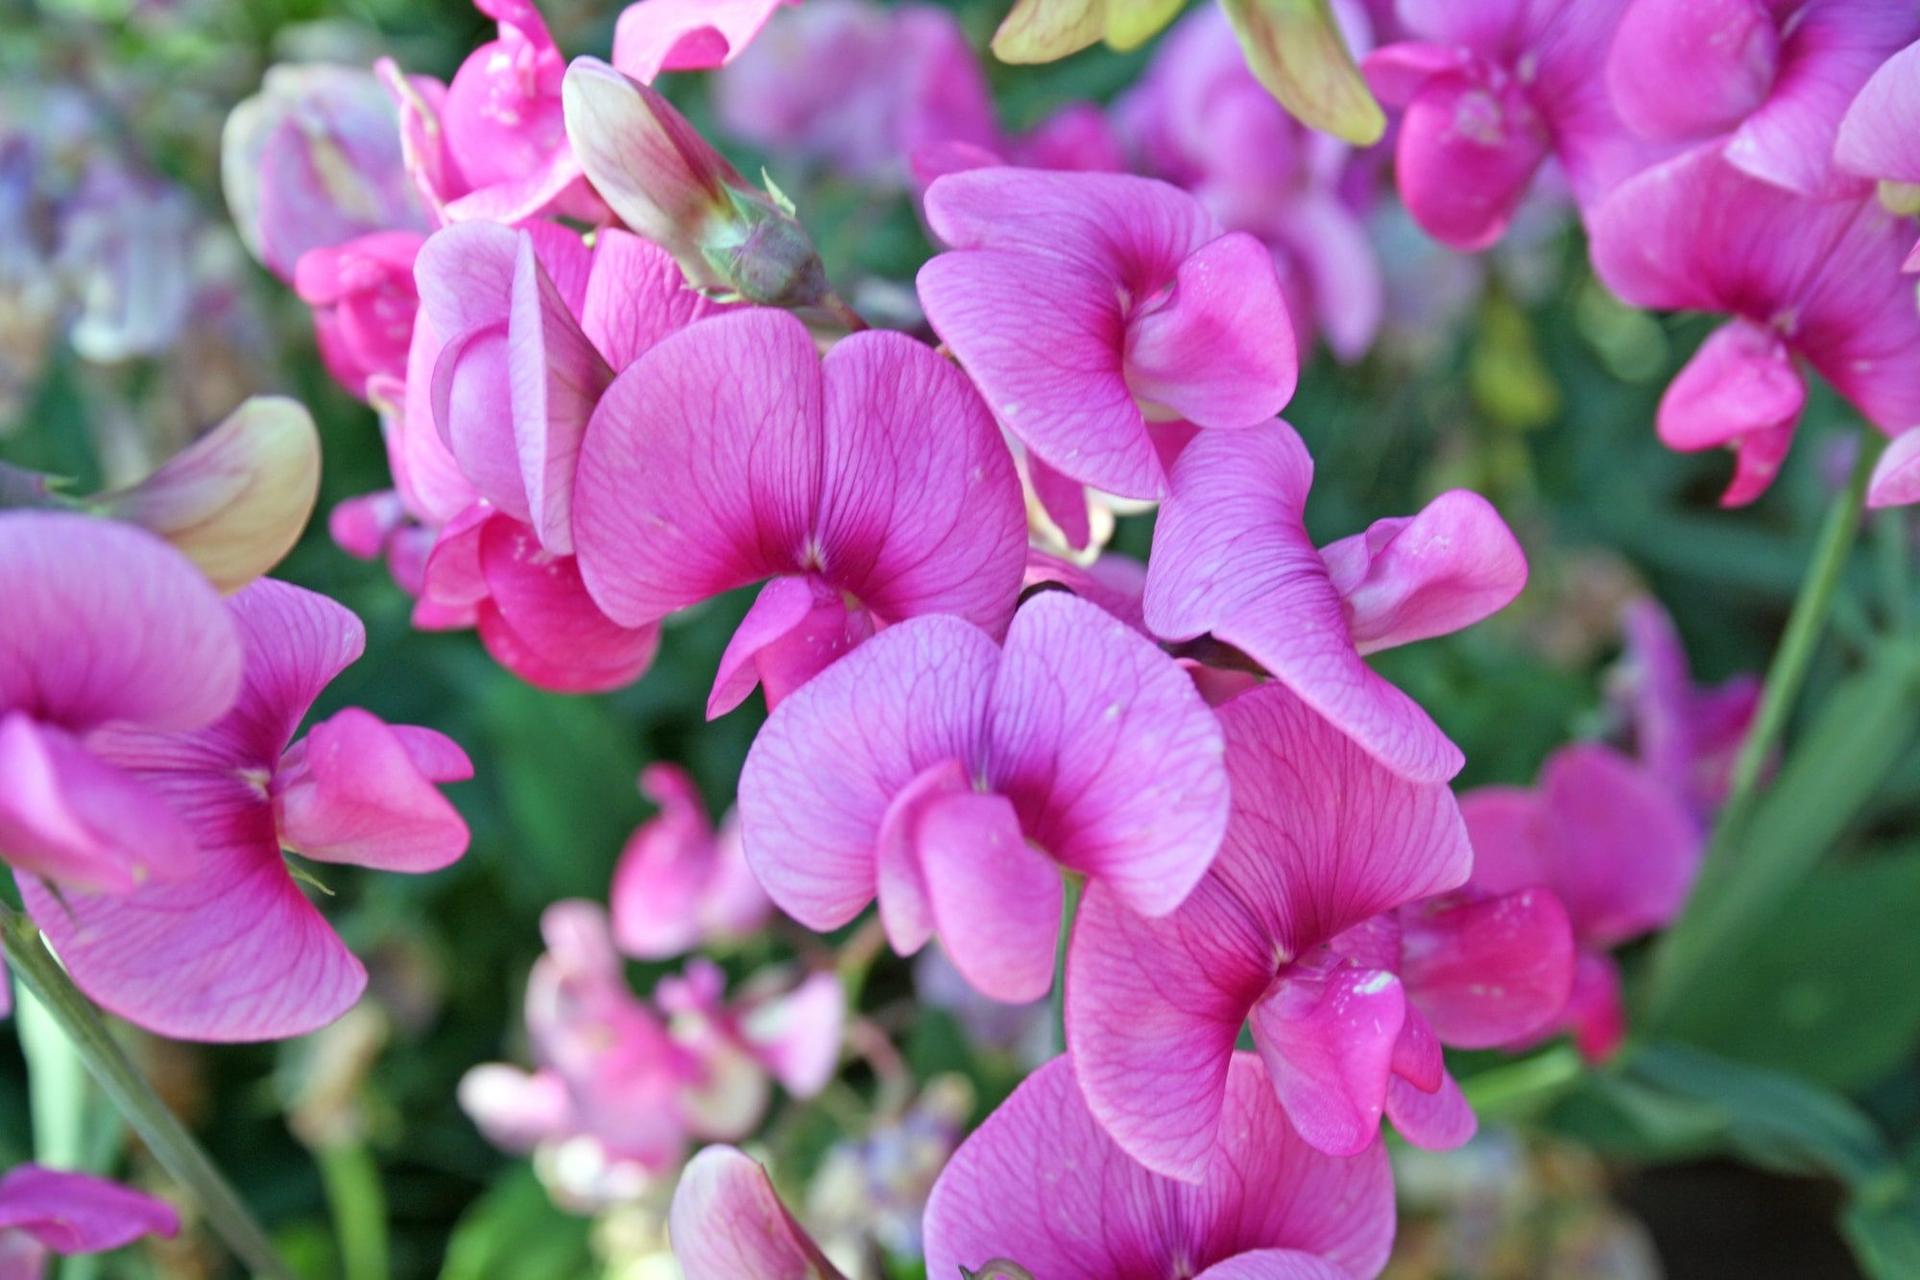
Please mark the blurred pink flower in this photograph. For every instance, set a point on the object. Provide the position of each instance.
(728, 1223)
(45, 1211)
(234, 951)
(1684, 734)
(686, 35)
(680, 884)
(1880, 135)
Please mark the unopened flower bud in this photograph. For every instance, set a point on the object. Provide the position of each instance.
(235, 500)
(1000, 1269)
(773, 263)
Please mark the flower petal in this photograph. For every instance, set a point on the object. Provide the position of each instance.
(1488, 972)
(351, 792)
(727, 1223)
(1328, 1041)
(79, 1213)
(995, 900)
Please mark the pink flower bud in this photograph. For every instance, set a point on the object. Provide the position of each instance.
(236, 499)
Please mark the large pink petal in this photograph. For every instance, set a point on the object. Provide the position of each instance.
(1411, 578)
(701, 466)
(636, 295)
(995, 899)
(104, 622)
(79, 1213)
(830, 760)
(685, 35)
(1040, 1184)
(1328, 1040)
(1135, 230)
(1107, 751)
(1469, 145)
(727, 1223)
(350, 791)
(1231, 556)
(1687, 68)
(1487, 972)
(1218, 350)
(541, 624)
(797, 1035)
(920, 508)
(1274, 1264)
(1880, 134)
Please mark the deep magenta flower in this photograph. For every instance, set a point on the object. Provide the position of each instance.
(1042, 1187)
(104, 625)
(965, 776)
(364, 301)
(1814, 279)
(1880, 134)
(1613, 841)
(1319, 924)
(871, 486)
(1766, 80)
(46, 1211)
(1231, 557)
(1492, 90)
(679, 883)
(1683, 733)
(1087, 305)
(234, 951)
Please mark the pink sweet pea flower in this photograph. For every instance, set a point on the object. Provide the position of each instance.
(728, 1223)
(686, 35)
(1896, 476)
(1880, 135)
(1613, 842)
(1042, 1188)
(1768, 80)
(1086, 305)
(104, 625)
(1319, 923)
(954, 780)
(1491, 91)
(46, 1211)
(364, 300)
(732, 452)
(679, 884)
(235, 951)
(1684, 734)
(767, 1033)
(1231, 557)
(1817, 279)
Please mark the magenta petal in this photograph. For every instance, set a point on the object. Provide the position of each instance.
(797, 1036)
(1437, 1121)
(1469, 145)
(679, 881)
(727, 1223)
(1688, 68)
(1740, 388)
(995, 900)
(1040, 1184)
(1219, 349)
(685, 35)
(899, 882)
(1488, 972)
(541, 624)
(1328, 1040)
(78, 1213)
(1880, 134)
(1411, 578)
(1596, 1012)
(636, 295)
(831, 759)
(1231, 556)
(796, 627)
(351, 792)
(1107, 751)
(1896, 476)
(1274, 1264)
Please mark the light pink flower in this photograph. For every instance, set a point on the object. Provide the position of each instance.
(1490, 92)
(680, 884)
(953, 780)
(364, 300)
(1040, 1186)
(1612, 841)
(1880, 134)
(1896, 476)
(1231, 557)
(686, 35)
(1318, 923)
(871, 486)
(1816, 279)
(235, 951)
(728, 1223)
(104, 625)
(1086, 305)
(46, 1211)
(1766, 80)
(1684, 734)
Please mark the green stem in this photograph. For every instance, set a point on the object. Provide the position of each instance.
(359, 1208)
(1069, 907)
(1510, 1086)
(163, 1133)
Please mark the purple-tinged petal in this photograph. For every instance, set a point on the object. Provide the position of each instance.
(797, 1036)
(685, 35)
(1880, 134)
(1328, 1040)
(727, 1223)
(351, 792)
(78, 1213)
(1271, 1264)
(900, 883)
(1596, 1011)
(1689, 68)
(539, 622)
(1436, 1121)
(1469, 145)
(636, 295)
(516, 1110)
(796, 628)
(678, 881)
(995, 899)
(1896, 476)
(1487, 972)
(1740, 389)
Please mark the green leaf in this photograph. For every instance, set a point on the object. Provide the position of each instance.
(1884, 1233)
(1295, 49)
(514, 1230)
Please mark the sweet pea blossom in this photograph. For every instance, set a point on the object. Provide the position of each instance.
(1319, 923)
(953, 780)
(364, 302)
(1880, 136)
(1767, 80)
(1490, 92)
(869, 485)
(686, 35)
(104, 625)
(679, 883)
(1814, 279)
(45, 1211)
(1085, 305)
(728, 1223)
(1896, 476)
(234, 950)
(1231, 557)
(1684, 734)
(1613, 842)
(1041, 1191)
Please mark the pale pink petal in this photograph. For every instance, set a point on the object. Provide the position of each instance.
(1110, 756)
(685, 35)
(540, 623)
(995, 899)
(1896, 476)
(900, 883)
(1041, 1185)
(350, 792)
(1231, 556)
(831, 758)
(1411, 578)
(701, 466)
(1343, 274)
(1438, 1121)
(78, 1213)
(104, 622)
(1328, 1040)
(1686, 68)
(727, 1223)
(797, 1036)
(664, 871)
(517, 1110)
(425, 472)
(1487, 972)
(1880, 134)
(636, 295)
(1273, 1264)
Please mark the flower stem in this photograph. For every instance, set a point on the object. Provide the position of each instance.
(1513, 1085)
(163, 1133)
(1069, 907)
